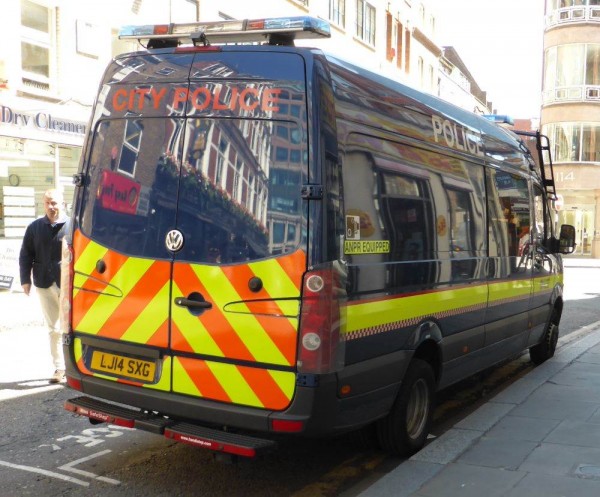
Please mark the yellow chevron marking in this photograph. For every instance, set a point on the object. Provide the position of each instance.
(164, 382)
(234, 384)
(246, 326)
(285, 380)
(278, 284)
(125, 279)
(182, 381)
(145, 324)
(86, 263)
(193, 330)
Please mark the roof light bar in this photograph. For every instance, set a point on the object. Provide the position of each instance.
(500, 119)
(248, 30)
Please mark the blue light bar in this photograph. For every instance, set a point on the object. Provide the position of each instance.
(249, 30)
(500, 119)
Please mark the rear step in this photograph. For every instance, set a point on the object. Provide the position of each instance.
(198, 436)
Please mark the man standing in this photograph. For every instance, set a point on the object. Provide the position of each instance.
(40, 255)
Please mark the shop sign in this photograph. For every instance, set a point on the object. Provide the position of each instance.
(43, 121)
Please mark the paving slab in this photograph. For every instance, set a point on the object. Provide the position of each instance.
(497, 452)
(565, 460)
(464, 480)
(522, 428)
(573, 432)
(537, 485)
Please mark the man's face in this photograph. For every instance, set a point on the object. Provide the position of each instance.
(53, 205)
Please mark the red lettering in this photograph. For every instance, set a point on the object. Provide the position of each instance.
(271, 100)
(142, 93)
(252, 104)
(180, 97)
(201, 105)
(235, 99)
(118, 102)
(157, 96)
(131, 100)
(217, 105)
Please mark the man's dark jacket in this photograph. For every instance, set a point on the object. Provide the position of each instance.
(41, 252)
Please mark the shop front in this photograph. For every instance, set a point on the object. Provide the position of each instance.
(579, 205)
(39, 150)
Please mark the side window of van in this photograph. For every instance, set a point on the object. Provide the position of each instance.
(509, 215)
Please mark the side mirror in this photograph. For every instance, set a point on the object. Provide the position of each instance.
(567, 239)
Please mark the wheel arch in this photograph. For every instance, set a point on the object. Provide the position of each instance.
(426, 340)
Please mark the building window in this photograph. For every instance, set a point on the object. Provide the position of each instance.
(567, 11)
(399, 44)
(389, 36)
(337, 12)
(572, 73)
(574, 142)
(365, 22)
(36, 43)
(131, 147)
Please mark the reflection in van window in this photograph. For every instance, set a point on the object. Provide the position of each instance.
(232, 204)
(510, 217)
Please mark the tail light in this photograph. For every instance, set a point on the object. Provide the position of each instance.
(66, 286)
(321, 348)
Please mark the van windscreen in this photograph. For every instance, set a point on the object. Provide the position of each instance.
(231, 186)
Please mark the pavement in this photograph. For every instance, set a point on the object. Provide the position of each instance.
(540, 436)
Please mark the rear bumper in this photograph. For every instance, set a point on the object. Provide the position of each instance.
(320, 408)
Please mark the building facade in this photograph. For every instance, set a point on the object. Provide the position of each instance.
(570, 115)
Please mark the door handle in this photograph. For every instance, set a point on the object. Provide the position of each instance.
(192, 304)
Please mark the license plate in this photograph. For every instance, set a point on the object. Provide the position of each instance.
(126, 367)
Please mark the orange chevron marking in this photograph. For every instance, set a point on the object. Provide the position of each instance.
(215, 323)
(85, 299)
(136, 302)
(204, 379)
(178, 340)
(160, 338)
(294, 266)
(279, 329)
(265, 388)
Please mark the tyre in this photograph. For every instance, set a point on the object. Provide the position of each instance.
(404, 430)
(546, 348)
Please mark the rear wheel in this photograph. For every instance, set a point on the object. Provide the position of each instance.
(404, 430)
(546, 348)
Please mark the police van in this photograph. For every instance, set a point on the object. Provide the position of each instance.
(270, 240)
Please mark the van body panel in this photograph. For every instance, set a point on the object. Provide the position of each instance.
(224, 189)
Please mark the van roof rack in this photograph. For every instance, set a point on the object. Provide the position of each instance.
(275, 31)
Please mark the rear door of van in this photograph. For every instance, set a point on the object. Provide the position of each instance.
(191, 244)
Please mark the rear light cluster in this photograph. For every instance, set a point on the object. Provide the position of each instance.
(321, 347)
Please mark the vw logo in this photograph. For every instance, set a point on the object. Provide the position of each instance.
(174, 240)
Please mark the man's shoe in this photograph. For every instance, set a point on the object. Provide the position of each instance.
(58, 376)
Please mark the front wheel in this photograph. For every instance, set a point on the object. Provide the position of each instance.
(404, 430)
(546, 348)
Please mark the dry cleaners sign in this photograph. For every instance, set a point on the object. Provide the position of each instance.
(43, 121)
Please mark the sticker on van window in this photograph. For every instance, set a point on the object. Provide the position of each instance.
(366, 247)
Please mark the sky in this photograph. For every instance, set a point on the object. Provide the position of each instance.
(501, 44)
